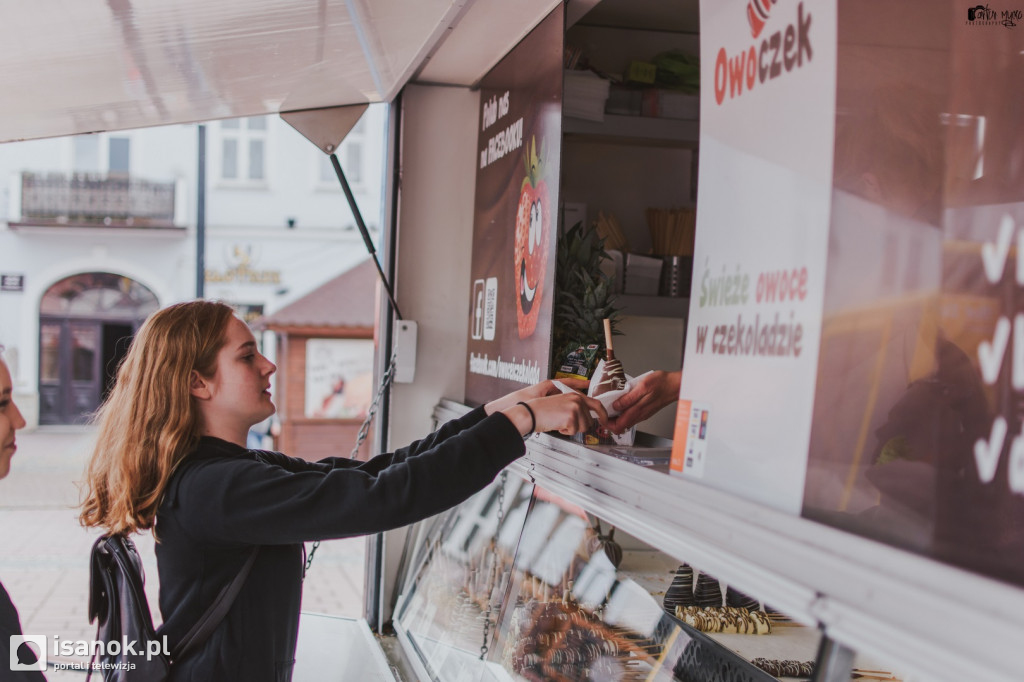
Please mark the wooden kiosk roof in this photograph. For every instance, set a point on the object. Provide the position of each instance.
(343, 306)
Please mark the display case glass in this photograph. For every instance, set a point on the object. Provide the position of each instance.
(587, 602)
(457, 578)
(520, 584)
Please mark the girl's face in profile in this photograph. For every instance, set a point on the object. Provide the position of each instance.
(238, 394)
(10, 420)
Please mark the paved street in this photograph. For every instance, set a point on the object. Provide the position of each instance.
(45, 552)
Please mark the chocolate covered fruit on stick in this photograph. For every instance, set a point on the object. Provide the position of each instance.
(614, 376)
(610, 378)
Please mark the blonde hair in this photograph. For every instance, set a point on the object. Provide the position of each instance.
(149, 422)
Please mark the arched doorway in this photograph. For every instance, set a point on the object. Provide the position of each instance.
(86, 322)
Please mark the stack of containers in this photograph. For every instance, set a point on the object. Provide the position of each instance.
(585, 95)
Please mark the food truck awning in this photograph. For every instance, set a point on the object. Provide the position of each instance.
(79, 66)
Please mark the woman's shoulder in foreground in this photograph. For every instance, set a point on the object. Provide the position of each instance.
(9, 624)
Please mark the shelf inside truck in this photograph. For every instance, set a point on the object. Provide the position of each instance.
(653, 306)
(636, 130)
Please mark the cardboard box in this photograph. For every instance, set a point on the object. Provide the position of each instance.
(624, 100)
(660, 103)
(643, 275)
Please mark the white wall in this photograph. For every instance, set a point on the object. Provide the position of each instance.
(293, 188)
(439, 124)
(433, 275)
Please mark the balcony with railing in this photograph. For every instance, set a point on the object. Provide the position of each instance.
(95, 200)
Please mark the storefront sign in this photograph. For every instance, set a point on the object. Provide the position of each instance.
(249, 312)
(767, 123)
(12, 282)
(515, 222)
(241, 268)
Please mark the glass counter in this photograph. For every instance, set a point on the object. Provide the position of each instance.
(520, 584)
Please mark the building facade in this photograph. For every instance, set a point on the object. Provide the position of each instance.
(100, 230)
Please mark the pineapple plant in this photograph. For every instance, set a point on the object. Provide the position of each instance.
(584, 297)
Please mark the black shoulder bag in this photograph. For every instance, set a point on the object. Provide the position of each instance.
(131, 650)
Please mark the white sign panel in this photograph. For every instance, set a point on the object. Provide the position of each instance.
(768, 83)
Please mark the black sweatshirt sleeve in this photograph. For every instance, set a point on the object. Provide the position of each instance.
(248, 501)
(380, 462)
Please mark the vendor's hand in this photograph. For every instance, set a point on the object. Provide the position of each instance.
(533, 392)
(651, 393)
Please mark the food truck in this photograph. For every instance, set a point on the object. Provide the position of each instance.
(838, 492)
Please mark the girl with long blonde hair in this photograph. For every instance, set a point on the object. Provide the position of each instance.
(171, 457)
(149, 421)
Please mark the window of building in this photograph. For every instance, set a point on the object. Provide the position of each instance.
(243, 149)
(120, 155)
(86, 154)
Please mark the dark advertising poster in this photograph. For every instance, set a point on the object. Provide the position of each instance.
(516, 216)
(918, 428)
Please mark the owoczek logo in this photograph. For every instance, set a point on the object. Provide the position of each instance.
(777, 54)
(757, 15)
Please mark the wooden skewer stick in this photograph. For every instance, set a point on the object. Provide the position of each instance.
(608, 334)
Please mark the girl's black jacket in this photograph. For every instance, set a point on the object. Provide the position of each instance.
(224, 499)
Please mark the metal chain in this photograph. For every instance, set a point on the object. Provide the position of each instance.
(364, 430)
(495, 570)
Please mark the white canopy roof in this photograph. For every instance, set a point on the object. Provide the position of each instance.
(76, 66)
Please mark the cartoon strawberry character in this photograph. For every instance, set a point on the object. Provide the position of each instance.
(533, 237)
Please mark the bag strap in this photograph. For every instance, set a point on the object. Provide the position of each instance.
(209, 621)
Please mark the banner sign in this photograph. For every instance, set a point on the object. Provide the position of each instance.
(516, 216)
(767, 124)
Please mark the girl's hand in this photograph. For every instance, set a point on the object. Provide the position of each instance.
(544, 388)
(566, 413)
